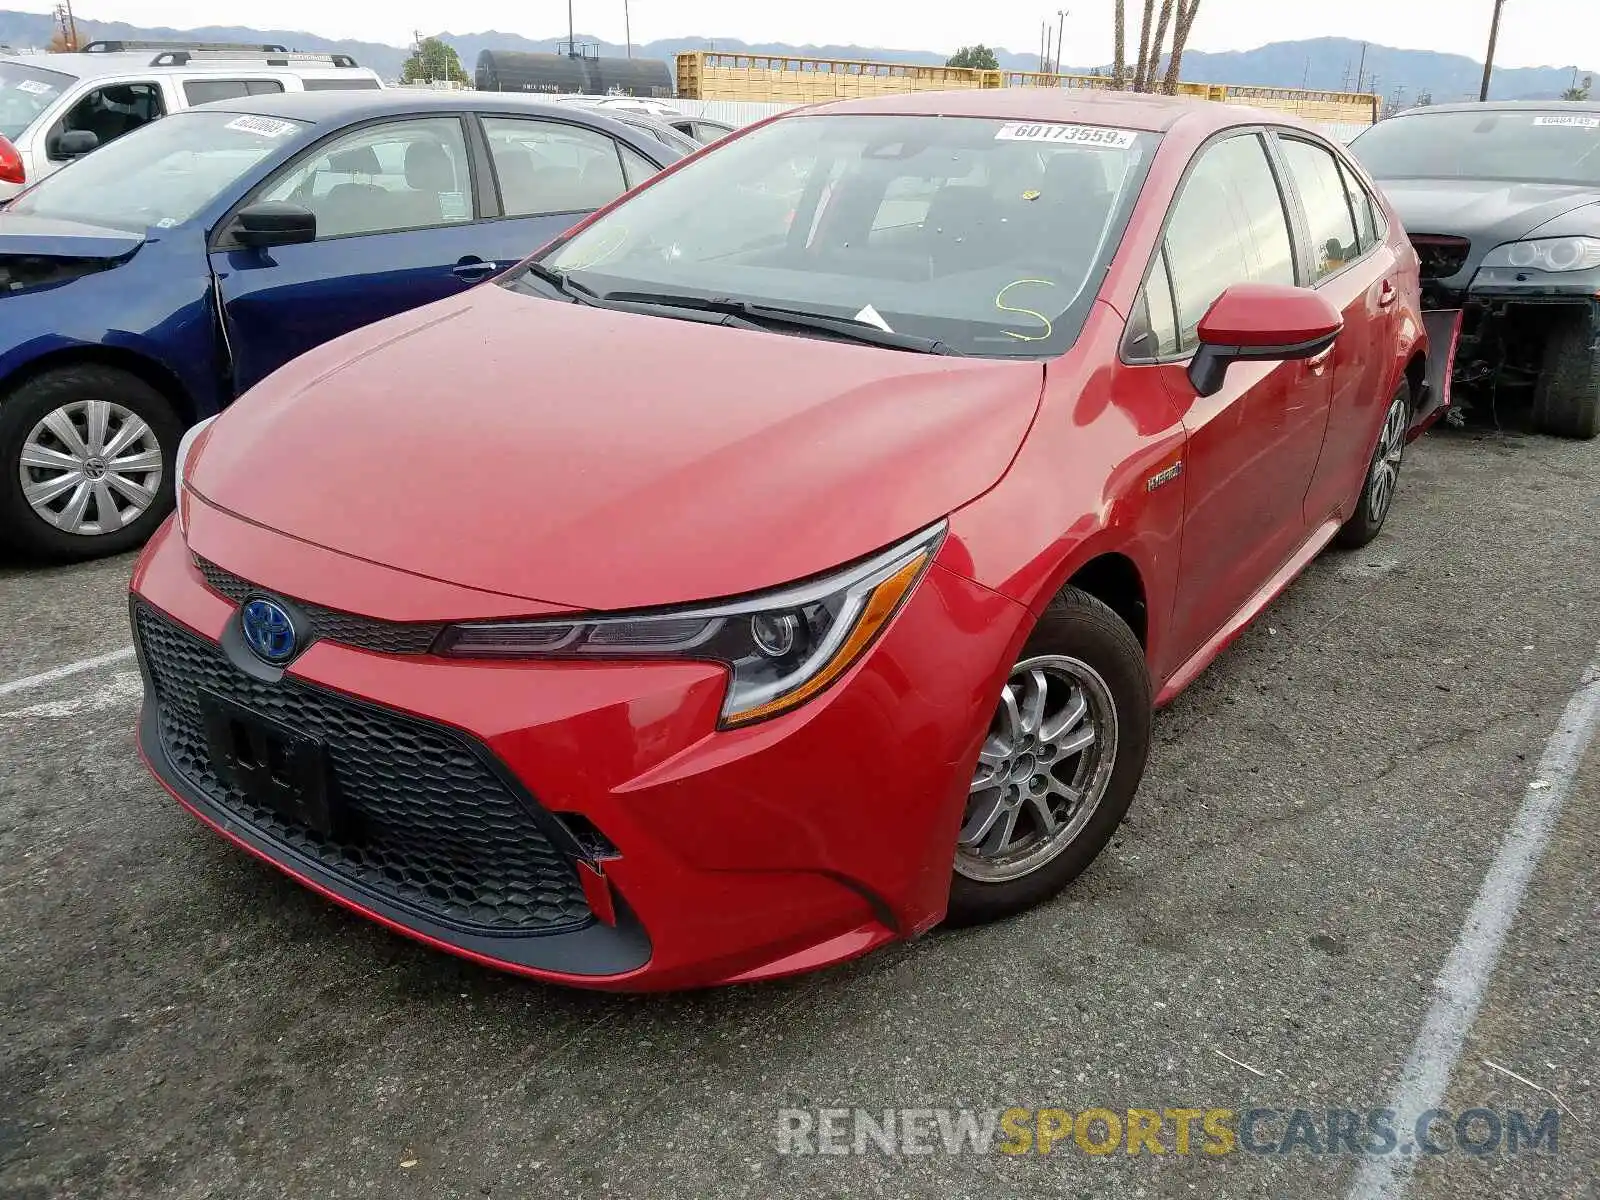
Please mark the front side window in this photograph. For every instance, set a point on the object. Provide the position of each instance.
(1334, 241)
(989, 236)
(382, 179)
(1228, 226)
(164, 176)
(1556, 145)
(552, 167)
(112, 111)
(25, 93)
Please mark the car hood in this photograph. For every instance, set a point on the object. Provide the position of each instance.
(50, 238)
(604, 460)
(1487, 212)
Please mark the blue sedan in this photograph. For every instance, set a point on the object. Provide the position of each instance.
(147, 285)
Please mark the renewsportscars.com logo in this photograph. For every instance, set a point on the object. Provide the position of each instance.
(1212, 1132)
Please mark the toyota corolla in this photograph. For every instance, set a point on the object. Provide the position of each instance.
(790, 558)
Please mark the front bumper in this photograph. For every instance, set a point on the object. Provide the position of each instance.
(652, 850)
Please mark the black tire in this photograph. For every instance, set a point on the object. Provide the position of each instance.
(1079, 627)
(1377, 494)
(1566, 399)
(25, 406)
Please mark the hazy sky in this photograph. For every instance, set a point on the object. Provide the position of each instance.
(1533, 33)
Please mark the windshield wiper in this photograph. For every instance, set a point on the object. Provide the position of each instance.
(562, 282)
(772, 316)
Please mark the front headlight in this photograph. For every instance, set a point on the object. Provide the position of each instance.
(180, 468)
(780, 648)
(1546, 254)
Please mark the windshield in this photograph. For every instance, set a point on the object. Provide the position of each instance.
(159, 175)
(991, 237)
(1516, 146)
(25, 92)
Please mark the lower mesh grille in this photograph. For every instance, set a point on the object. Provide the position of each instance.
(430, 826)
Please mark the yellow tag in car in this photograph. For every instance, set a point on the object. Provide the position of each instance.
(1030, 194)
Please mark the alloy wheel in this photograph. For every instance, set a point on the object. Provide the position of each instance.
(1043, 769)
(1386, 460)
(90, 467)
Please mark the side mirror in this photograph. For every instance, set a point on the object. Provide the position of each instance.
(271, 223)
(74, 143)
(1261, 322)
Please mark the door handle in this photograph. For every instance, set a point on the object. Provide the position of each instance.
(1387, 294)
(473, 269)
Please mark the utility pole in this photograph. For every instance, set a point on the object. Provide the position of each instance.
(1361, 67)
(1488, 59)
(572, 38)
(1047, 35)
(1043, 25)
(1061, 29)
(627, 29)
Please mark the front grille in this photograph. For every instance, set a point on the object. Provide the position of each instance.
(364, 633)
(1441, 256)
(428, 824)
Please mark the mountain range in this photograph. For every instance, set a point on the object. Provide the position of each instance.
(1319, 63)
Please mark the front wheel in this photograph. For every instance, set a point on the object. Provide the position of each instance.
(86, 460)
(1065, 752)
(1383, 475)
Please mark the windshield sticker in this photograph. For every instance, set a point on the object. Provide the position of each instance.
(1096, 136)
(35, 88)
(265, 126)
(453, 206)
(999, 302)
(871, 316)
(1571, 121)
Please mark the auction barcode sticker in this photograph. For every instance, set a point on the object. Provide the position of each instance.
(1571, 120)
(1097, 136)
(34, 87)
(265, 126)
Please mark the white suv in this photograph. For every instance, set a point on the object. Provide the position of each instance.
(111, 88)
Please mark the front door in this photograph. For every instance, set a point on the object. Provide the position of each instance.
(1253, 446)
(397, 227)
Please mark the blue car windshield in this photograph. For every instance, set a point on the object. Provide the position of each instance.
(25, 92)
(160, 175)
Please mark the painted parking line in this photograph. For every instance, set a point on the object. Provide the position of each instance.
(64, 672)
(1460, 986)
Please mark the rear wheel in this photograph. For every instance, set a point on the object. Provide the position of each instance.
(1566, 400)
(1383, 475)
(1064, 755)
(86, 458)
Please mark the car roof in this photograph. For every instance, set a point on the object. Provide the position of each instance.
(127, 62)
(1566, 106)
(356, 104)
(1128, 110)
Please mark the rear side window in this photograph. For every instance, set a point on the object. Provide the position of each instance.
(1316, 173)
(1228, 226)
(1369, 224)
(552, 167)
(360, 83)
(203, 91)
(636, 166)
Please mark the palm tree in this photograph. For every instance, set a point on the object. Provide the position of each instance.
(1155, 46)
(1141, 68)
(1180, 38)
(1119, 70)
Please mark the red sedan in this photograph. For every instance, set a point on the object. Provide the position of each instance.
(789, 558)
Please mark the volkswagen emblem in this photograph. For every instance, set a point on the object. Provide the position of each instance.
(268, 631)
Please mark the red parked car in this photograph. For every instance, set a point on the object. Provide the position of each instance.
(789, 558)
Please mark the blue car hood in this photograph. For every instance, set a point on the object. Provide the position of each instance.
(48, 237)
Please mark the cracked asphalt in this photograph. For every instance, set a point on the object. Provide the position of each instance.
(1320, 810)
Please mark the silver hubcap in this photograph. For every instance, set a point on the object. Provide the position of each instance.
(1042, 771)
(90, 467)
(1386, 461)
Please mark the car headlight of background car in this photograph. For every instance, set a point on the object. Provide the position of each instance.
(180, 467)
(781, 648)
(1553, 255)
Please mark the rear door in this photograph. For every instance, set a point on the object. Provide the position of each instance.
(549, 174)
(1253, 446)
(1355, 269)
(399, 225)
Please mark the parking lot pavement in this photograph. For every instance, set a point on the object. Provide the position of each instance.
(1320, 811)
